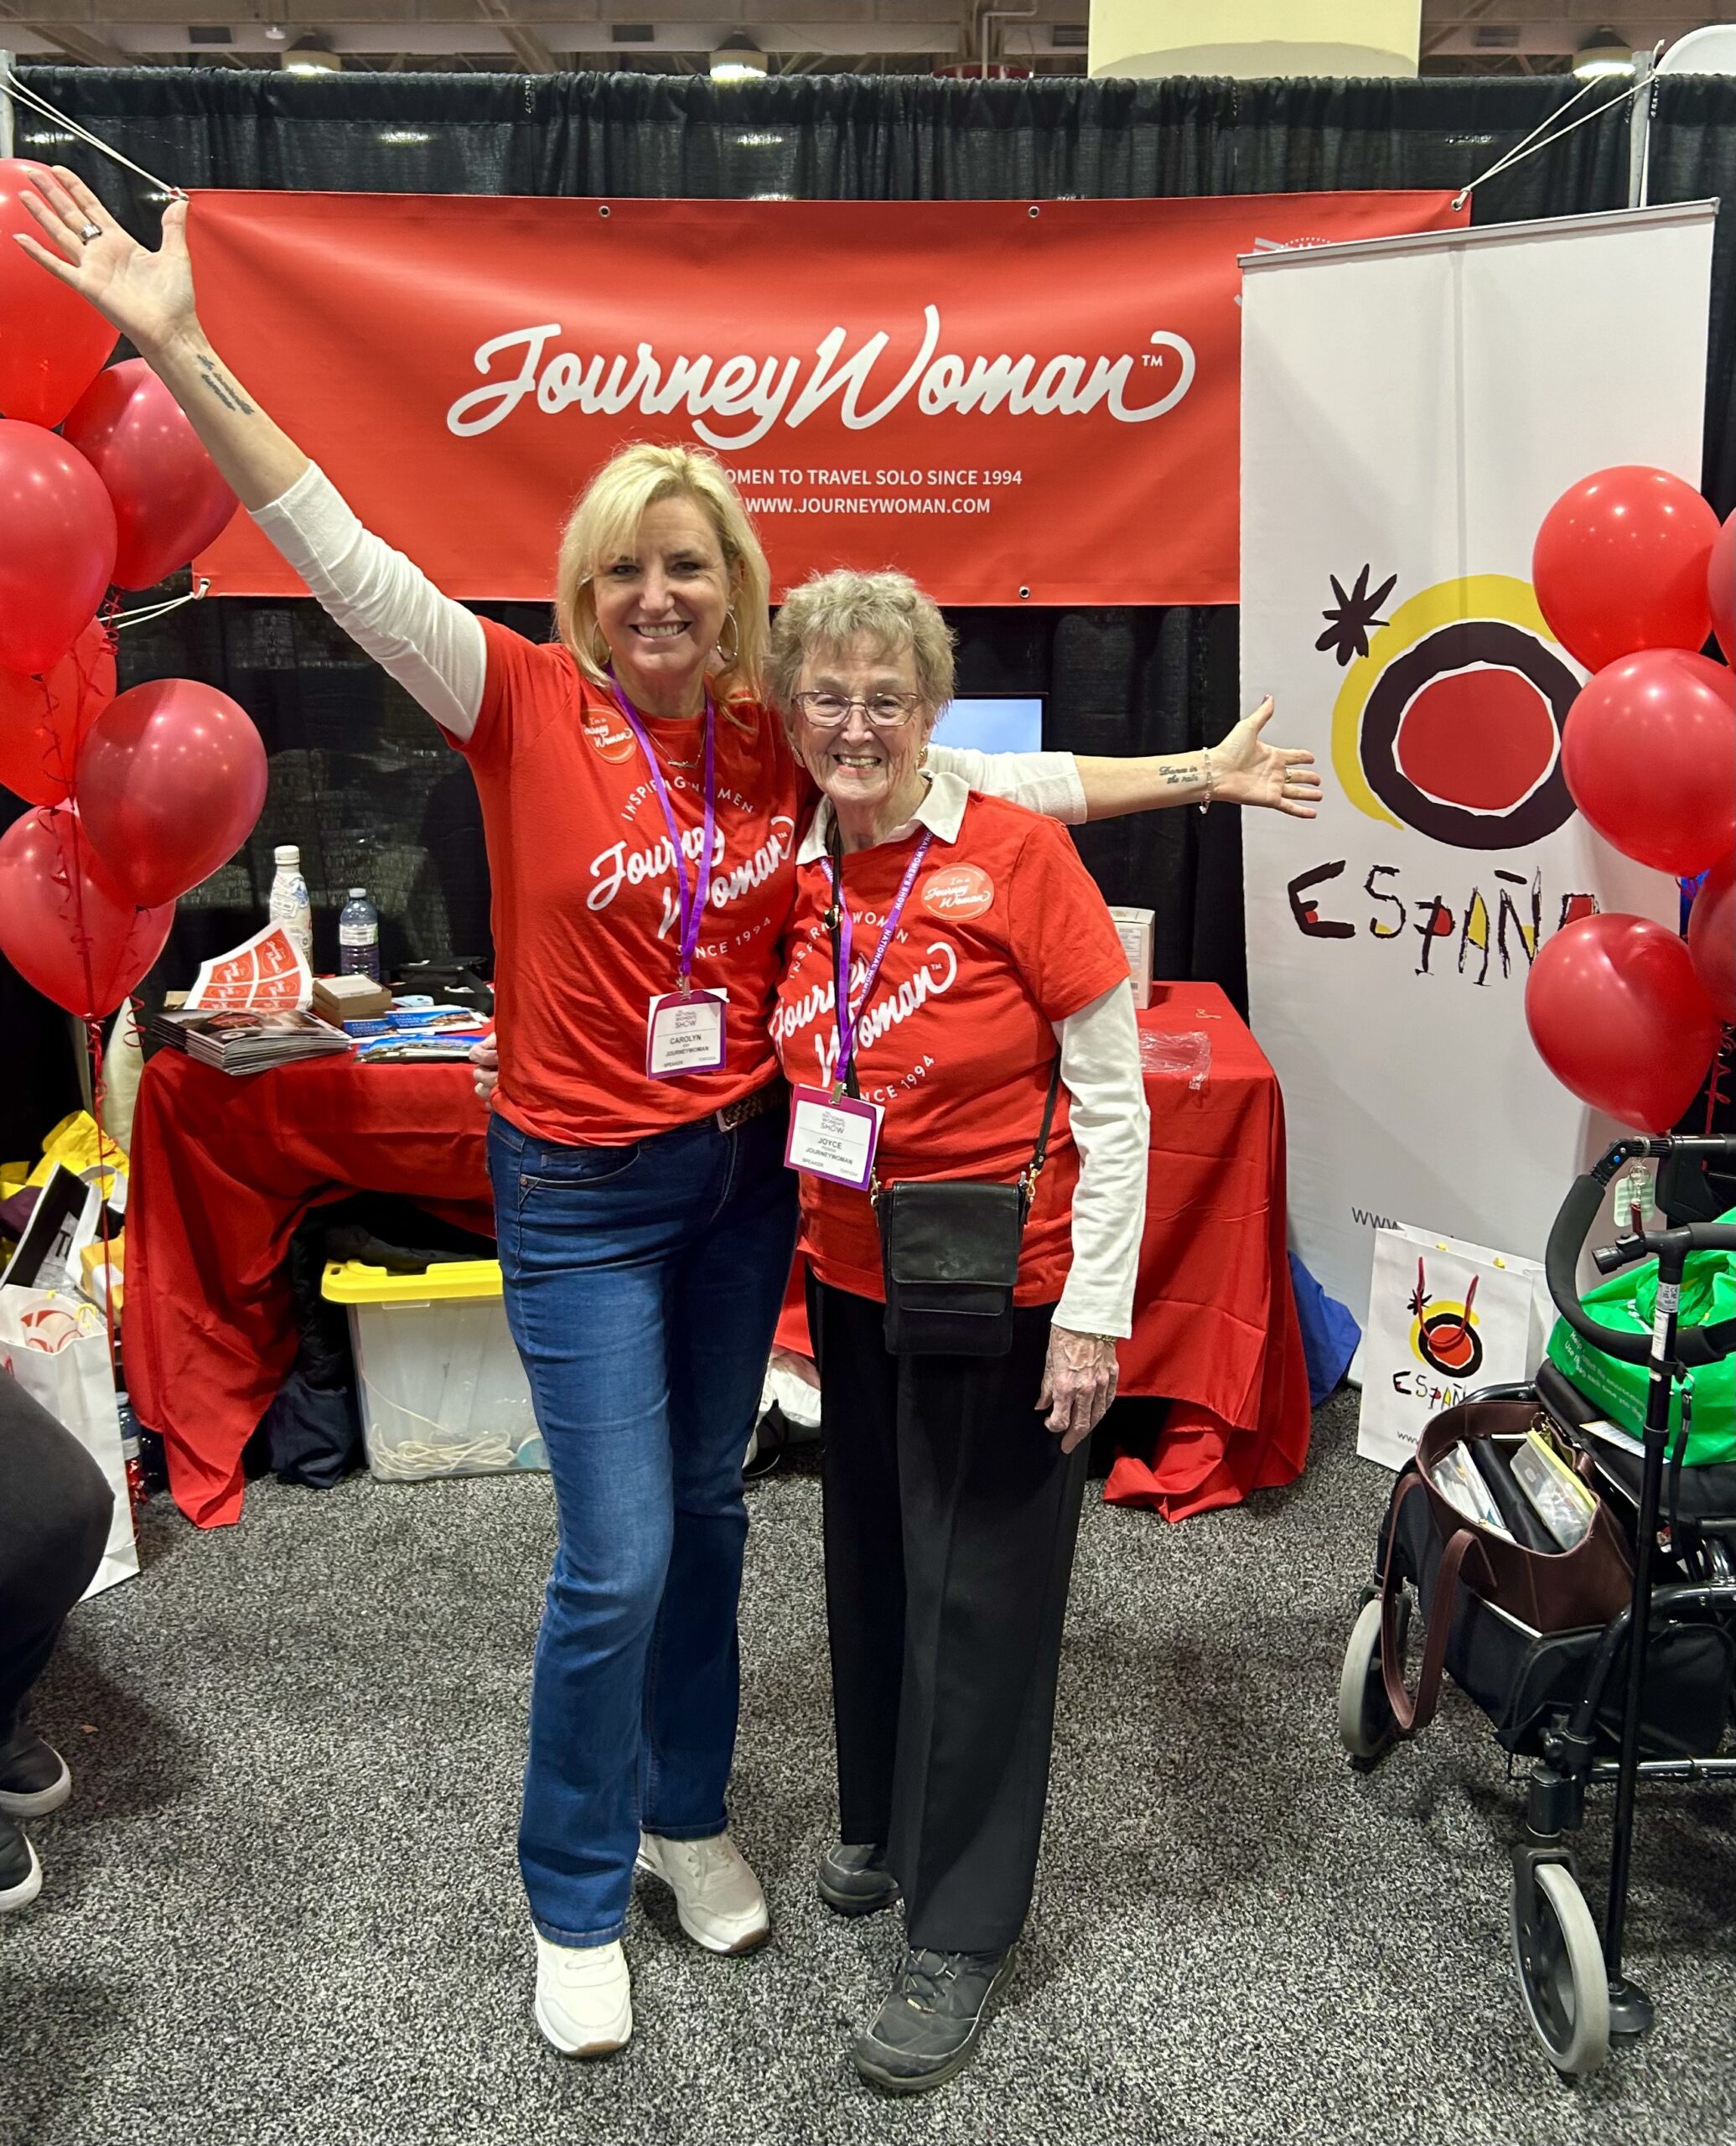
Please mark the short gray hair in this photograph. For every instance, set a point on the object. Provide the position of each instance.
(824, 614)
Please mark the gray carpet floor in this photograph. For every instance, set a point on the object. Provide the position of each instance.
(282, 1905)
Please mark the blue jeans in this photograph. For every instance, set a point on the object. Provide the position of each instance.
(642, 1288)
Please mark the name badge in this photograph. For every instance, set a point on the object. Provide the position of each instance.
(832, 1137)
(684, 1033)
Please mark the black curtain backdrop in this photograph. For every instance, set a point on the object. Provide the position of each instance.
(360, 778)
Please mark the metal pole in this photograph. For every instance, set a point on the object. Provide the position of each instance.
(7, 67)
(1639, 131)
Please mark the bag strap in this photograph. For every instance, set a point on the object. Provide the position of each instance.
(1410, 1715)
(1028, 1180)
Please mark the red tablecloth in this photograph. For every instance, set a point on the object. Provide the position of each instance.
(222, 1170)
(1214, 1327)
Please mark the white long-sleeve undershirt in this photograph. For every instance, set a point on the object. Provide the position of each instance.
(434, 646)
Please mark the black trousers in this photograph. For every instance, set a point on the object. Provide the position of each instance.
(951, 1515)
(56, 1506)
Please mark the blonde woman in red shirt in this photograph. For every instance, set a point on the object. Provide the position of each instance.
(640, 807)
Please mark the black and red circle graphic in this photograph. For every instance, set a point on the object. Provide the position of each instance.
(1448, 1341)
(1460, 736)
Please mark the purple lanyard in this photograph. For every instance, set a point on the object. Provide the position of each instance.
(692, 903)
(847, 1018)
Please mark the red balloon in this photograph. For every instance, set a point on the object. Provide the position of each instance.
(57, 545)
(1712, 936)
(53, 342)
(1649, 752)
(44, 720)
(61, 927)
(169, 502)
(1619, 564)
(1617, 1015)
(1721, 587)
(170, 784)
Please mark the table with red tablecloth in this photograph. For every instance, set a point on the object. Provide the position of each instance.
(223, 1169)
(1214, 1327)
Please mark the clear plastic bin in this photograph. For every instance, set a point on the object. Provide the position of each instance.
(442, 1392)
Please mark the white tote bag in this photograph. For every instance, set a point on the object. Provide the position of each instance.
(1444, 1319)
(56, 1346)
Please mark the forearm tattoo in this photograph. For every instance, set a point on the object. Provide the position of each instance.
(225, 389)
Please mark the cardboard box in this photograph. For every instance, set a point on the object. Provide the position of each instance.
(1136, 929)
(341, 998)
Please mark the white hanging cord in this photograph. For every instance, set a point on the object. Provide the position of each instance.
(1530, 145)
(11, 87)
(124, 619)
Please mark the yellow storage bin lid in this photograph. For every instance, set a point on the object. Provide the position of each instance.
(349, 1282)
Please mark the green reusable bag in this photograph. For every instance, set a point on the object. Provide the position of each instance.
(1628, 1301)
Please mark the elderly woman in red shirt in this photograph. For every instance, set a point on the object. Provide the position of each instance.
(955, 1019)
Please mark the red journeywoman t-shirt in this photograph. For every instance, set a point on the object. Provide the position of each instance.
(1005, 933)
(585, 910)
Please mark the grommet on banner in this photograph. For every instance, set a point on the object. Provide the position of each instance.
(1034, 211)
(602, 208)
(1024, 596)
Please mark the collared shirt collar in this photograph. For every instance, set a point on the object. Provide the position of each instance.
(941, 811)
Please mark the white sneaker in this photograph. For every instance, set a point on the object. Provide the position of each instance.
(718, 1898)
(584, 1997)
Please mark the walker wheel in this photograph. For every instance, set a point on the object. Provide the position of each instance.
(1365, 1720)
(1562, 1975)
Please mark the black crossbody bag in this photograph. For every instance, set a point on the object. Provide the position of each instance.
(948, 1246)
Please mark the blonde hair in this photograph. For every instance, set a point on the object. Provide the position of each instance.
(604, 523)
(824, 614)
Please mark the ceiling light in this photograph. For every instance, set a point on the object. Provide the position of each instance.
(310, 56)
(1603, 52)
(275, 33)
(738, 59)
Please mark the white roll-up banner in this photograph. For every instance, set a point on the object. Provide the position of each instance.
(1412, 407)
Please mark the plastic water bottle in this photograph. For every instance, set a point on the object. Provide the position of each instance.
(289, 905)
(358, 936)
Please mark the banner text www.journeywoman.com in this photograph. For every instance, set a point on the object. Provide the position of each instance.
(869, 503)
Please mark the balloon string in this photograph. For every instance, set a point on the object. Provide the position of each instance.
(80, 935)
(30, 99)
(99, 1096)
(122, 619)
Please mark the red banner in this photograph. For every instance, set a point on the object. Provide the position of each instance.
(1015, 401)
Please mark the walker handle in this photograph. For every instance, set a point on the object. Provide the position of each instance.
(1695, 1346)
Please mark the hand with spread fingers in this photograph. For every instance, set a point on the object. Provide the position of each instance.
(1079, 1382)
(148, 296)
(1248, 771)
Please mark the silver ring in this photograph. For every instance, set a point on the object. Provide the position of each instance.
(89, 232)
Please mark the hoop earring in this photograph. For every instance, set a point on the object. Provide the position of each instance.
(729, 657)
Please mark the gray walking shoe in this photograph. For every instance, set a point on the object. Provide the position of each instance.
(927, 2030)
(853, 1879)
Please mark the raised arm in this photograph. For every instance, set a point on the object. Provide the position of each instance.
(149, 298)
(432, 645)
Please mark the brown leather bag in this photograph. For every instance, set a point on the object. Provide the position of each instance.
(1550, 1593)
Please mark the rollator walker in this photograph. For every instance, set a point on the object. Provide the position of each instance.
(1641, 1697)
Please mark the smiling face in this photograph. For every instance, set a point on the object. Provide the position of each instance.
(660, 607)
(871, 776)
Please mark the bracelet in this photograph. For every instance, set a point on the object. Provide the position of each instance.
(1212, 781)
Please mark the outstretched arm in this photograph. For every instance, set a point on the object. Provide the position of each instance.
(1242, 769)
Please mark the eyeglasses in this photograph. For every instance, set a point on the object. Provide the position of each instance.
(884, 711)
